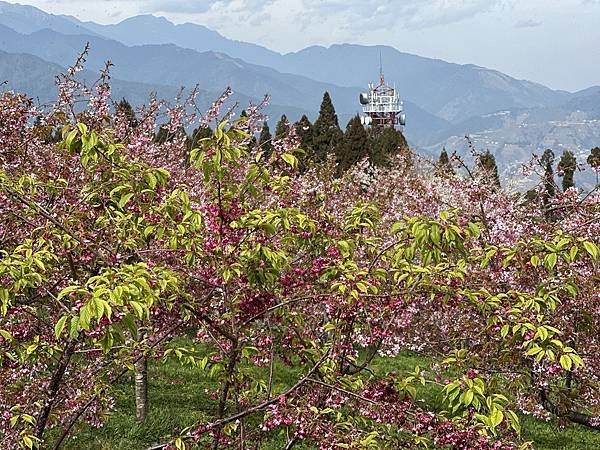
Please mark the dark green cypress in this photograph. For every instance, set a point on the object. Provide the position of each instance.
(125, 108)
(567, 165)
(547, 161)
(593, 160)
(327, 134)
(354, 146)
(384, 144)
(549, 184)
(304, 131)
(283, 127)
(265, 144)
(487, 167)
(162, 136)
(443, 167)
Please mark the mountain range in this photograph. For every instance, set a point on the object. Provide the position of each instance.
(444, 101)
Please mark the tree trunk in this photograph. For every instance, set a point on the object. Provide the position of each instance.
(53, 388)
(573, 416)
(141, 387)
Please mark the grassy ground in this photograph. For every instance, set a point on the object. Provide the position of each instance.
(178, 399)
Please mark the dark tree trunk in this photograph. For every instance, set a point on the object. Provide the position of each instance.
(53, 389)
(573, 416)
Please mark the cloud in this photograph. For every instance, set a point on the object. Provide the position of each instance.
(252, 7)
(529, 23)
(176, 6)
(412, 14)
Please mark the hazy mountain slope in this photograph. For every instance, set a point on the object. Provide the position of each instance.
(172, 65)
(148, 29)
(35, 77)
(513, 135)
(452, 91)
(28, 19)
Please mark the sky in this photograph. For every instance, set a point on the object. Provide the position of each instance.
(553, 42)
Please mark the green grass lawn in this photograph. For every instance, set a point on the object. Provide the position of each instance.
(178, 399)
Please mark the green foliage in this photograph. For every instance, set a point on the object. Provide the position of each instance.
(593, 158)
(304, 130)
(444, 167)
(384, 144)
(283, 128)
(567, 165)
(265, 143)
(354, 146)
(547, 161)
(488, 170)
(327, 134)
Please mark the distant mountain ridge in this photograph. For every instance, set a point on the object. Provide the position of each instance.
(149, 29)
(36, 77)
(28, 19)
(167, 64)
(353, 65)
(450, 91)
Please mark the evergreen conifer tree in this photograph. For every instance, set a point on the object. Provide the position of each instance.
(198, 134)
(304, 130)
(354, 147)
(547, 161)
(327, 134)
(444, 168)
(283, 127)
(384, 143)
(567, 165)
(593, 160)
(125, 108)
(264, 141)
(488, 169)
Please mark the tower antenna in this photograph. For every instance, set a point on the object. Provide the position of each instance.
(381, 77)
(381, 104)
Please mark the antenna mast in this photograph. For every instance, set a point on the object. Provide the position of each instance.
(381, 77)
(381, 104)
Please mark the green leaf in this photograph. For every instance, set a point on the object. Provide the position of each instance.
(31, 349)
(60, 325)
(290, 159)
(566, 362)
(576, 359)
(138, 309)
(468, 397)
(496, 417)
(269, 228)
(28, 441)
(591, 248)
(124, 200)
(550, 260)
(573, 252)
(534, 350)
(6, 335)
